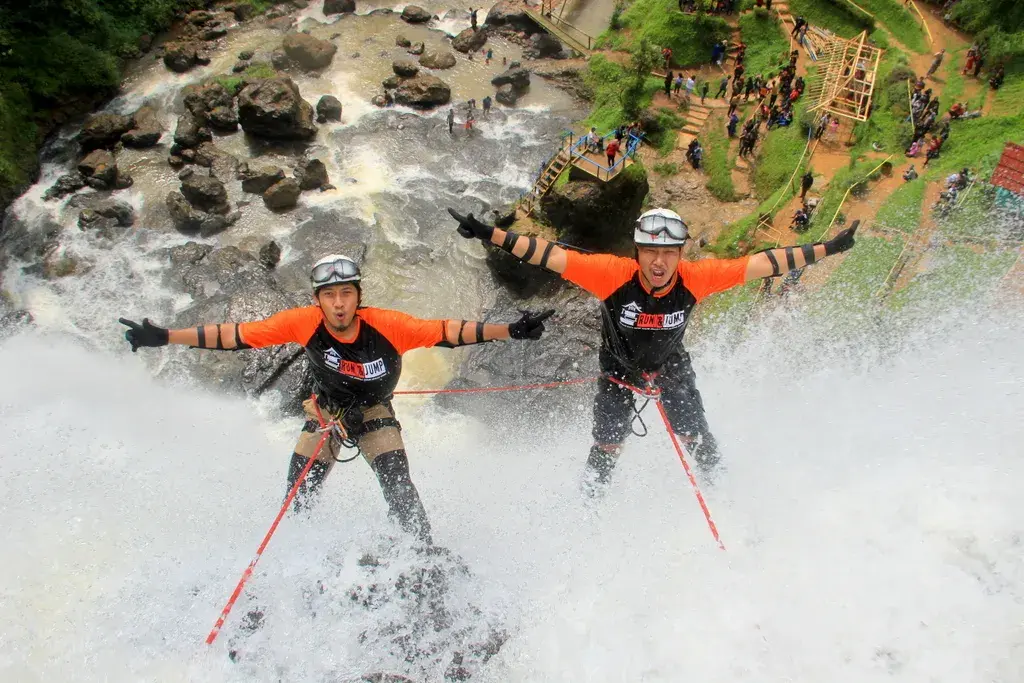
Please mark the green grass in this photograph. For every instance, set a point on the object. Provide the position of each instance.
(690, 36)
(1009, 98)
(563, 178)
(780, 150)
(902, 209)
(834, 15)
(887, 125)
(843, 180)
(954, 273)
(977, 144)
(863, 271)
(233, 82)
(607, 80)
(767, 46)
(976, 217)
(900, 20)
(717, 162)
(736, 238)
(666, 168)
(18, 137)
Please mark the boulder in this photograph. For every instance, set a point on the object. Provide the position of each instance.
(469, 40)
(223, 119)
(102, 131)
(281, 23)
(99, 165)
(510, 14)
(223, 166)
(402, 41)
(190, 132)
(282, 195)
(597, 215)
(65, 185)
(404, 68)
(147, 129)
(239, 67)
(184, 216)
(279, 60)
(274, 108)
(175, 161)
(181, 56)
(543, 45)
(123, 181)
(328, 108)
(415, 15)
(246, 55)
(212, 225)
(437, 60)
(507, 95)
(312, 175)
(205, 193)
(339, 7)
(391, 82)
(243, 11)
(308, 52)
(423, 90)
(205, 97)
(516, 76)
(417, 49)
(259, 180)
(93, 208)
(270, 255)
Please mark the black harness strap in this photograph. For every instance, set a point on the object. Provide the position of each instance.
(509, 242)
(462, 328)
(775, 263)
(531, 247)
(239, 344)
(379, 423)
(201, 333)
(790, 259)
(808, 251)
(547, 253)
(220, 342)
(479, 333)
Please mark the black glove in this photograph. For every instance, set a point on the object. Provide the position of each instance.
(470, 227)
(530, 326)
(146, 334)
(842, 241)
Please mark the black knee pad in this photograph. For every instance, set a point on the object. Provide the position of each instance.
(310, 486)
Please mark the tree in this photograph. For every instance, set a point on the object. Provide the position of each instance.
(642, 61)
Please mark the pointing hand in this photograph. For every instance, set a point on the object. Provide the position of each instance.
(842, 241)
(530, 326)
(146, 334)
(470, 227)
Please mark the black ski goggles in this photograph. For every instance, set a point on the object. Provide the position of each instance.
(341, 270)
(656, 225)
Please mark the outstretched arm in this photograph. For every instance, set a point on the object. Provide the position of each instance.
(533, 250)
(465, 332)
(775, 262)
(217, 336)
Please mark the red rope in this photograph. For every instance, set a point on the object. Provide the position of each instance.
(247, 574)
(475, 390)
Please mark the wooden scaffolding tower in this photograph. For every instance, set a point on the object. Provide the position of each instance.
(849, 69)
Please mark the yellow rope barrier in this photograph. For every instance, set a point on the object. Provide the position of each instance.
(927, 30)
(851, 2)
(848, 190)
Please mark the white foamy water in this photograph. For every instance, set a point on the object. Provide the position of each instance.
(870, 506)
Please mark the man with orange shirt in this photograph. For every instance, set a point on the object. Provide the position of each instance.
(355, 358)
(646, 303)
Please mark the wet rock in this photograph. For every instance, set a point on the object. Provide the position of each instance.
(274, 108)
(328, 108)
(259, 180)
(281, 23)
(423, 90)
(312, 175)
(94, 208)
(222, 165)
(190, 132)
(204, 98)
(189, 156)
(223, 119)
(145, 42)
(123, 180)
(469, 40)
(437, 60)
(185, 217)
(402, 41)
(205, 193)
(239, 67)
(65, 185)
(199, 17)
(147, 129)
(597, 215)
(175, 161)
(404, 68)
(282, 195)
(339, 7)
(507, 95)
(246, 55)
(543, 45)
(326, 187)
(243, 11)
(270, 255)
(417, 49)
(213, 225)
(391, 82)
(379, 101)
(516, 76)
(181, 56)
(308, 52)
(102, 131)
(185, 173)
(57, 266)
(188, 254)
(279, 60)
(415, 15)
(99, 165)
(510, 14)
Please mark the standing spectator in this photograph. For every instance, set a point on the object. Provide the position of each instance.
(936, 61)
(668, 84)
(705, 86)
(978, 62)
(472, 17)
(678, 84)
(805, 184)
(751, 84)
(610, 151)
(487, 101)
(797, 25)
(490, 56)
(451, 120)
(733, 104)
(690, 85)
(666, 54)
(716, 53)
(733, 122)
(723, 87)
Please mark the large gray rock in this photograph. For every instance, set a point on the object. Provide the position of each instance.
(259, 180)
(274, 108)
(328, 108)
(312, 175)
(442, 59)
(205, 193)
(183, 55)
(223, 166)
(598, 216)
(147, 128)
(99, 165)
(469, 40)
(270, 255)
(223, 119)
(510, 14)
(543, 45)
(507, 95)
(65, 185)
(203, 98)
(185, 217)
(190, 132)
(423, 90)
(404, 68)
(121, 213)
(516, 76)
(415, 14)
(339, 7)
(102, 131)
(308, 52)
(282, 195)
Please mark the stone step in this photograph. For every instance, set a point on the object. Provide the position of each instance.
(692, 130)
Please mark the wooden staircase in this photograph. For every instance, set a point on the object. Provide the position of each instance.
(545, 180)
(567, 33)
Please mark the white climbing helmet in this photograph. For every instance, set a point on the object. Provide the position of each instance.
(660, 228)
(334, 269)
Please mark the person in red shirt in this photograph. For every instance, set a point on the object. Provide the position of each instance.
(610, 151)
(647, 301)
(355, 359)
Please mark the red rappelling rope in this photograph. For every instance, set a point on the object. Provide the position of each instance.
(326, 428)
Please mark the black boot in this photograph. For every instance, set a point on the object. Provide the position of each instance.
(598, 472)
(392, 470)
(310, 486)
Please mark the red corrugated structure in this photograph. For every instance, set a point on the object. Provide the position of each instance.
(1009, 174)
